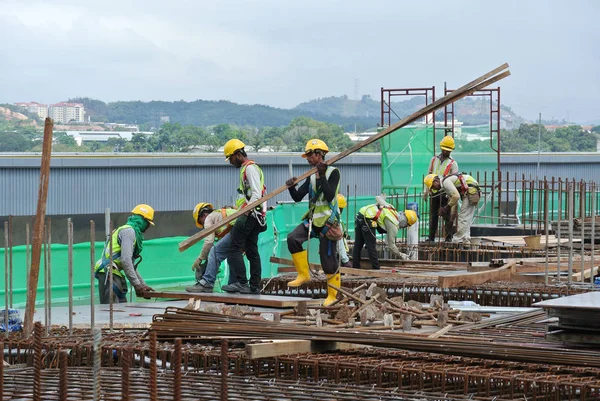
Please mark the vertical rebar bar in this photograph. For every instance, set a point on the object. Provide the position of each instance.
(37, 361)
(558, 229)
(46, 279)
(97, 363)
(582, 196)
(2, 372)
(571, 189)
(153, 384)
(546, 224)
(49, 250)
(224, 368)
(10, 260)
(63, 391)
(593, 234)
(125, 367)
(177, 370)
(6, 279)
(70, 271)
(92, 272)
(27, 254)
(111, 292)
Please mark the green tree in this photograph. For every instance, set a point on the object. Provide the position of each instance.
(14, 142)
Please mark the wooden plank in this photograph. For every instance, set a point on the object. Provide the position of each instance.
(382, 273)
(586, 273)
(385, 265)
(441, 332)
(272, 301)
(483, 81)
(38, 229)
(287, 347)
(469, 279)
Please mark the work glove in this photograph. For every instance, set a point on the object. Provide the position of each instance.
(199, 264)
(290, 182)
(140, 289)
(322, 169)
(443, 211)
(403, 256)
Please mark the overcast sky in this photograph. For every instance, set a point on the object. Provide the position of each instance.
(284, 52)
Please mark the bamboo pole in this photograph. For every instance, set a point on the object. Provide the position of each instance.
(465, 90)
(38, 230)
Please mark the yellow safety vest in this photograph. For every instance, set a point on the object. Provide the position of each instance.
(116, 252)
(319, 209)
(379, 214)
(244, 190)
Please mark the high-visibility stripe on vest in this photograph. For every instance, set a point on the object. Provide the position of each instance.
(379, 214)
(223, 230)
(116, 253)
(244, 190)
(442, 168)
(465, 184)
(320, 209)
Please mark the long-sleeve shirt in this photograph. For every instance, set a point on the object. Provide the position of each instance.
(442, 168)
(327, 186)
(449, 186)
(253, 179)
(127, 241)
(213, 218)
(391, 232)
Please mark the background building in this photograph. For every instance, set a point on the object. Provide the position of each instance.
(41, 110)
(67, 112)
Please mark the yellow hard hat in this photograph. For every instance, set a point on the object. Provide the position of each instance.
(145, 211)
(428, 181)
(411, 217)
(315, 144)
(232, 146)
(342, 201)
(447, 143)
(200, 207)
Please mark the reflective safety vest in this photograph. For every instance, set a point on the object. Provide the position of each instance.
(442, 168)
(378, 214)
(116, 252)
(319, 209)
(465, 184)
(245, 191)
(223, 230)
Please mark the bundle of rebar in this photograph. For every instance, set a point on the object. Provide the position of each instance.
(177, 322)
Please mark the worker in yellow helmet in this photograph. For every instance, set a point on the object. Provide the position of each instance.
(342, 244)
(321, 221)
(127, 244)
(244, 234)
(458, 186)
(441, 165)
(383, 218)
(215, 248)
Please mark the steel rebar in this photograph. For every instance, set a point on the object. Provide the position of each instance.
(70, 271)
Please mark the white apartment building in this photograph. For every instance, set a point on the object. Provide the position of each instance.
(67, 112)
(41, 110)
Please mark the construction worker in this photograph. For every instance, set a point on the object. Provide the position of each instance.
(323, 213)
(383, 218)
(244, 234)
(441, 165)
(342, 244)
(212, 254)
(458, 186)
(127, 243)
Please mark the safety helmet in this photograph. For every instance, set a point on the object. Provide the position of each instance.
(315, 144)
(447, 143)
(145, 211)
(232, 146)
(428, 181)
(342, 201)
(411, 217)
(199, 209)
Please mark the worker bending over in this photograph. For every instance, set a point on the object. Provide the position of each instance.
(465, 188)
(126, 244)
(382, 218)
(321, 221)
(215, 248)
(441, 165)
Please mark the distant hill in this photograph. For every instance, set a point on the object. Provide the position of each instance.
(471, 111)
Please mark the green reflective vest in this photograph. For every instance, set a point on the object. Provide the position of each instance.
(319, 209)
(244, 190)
(465, 184)
(116, 252)
(221, 231)
(379, 214)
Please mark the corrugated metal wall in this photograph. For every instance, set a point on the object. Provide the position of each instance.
(86, 185)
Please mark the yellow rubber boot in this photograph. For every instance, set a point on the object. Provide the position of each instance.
(333, 279)
(301, 264)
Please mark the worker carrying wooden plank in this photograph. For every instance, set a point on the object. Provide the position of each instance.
(322, 220)
(458, 187)
(380, 217)
(126, 244)
(441, 165)
(244, 234)
(215, 249)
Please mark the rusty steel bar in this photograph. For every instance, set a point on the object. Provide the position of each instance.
(97, 364)
(125, 368)
(224, 368)
(558, 227)
(47, 283)
(63, 381)
(70, 271)
(10, 260)
(546, 229)
(39, 227)
(37, 361)
(582, 196)
(176, 363)
(6, 312)
(92, 272)
(2, 371)
(593, 238)
(111, 312)
(49, 255)
(153, 383)
(571, 188)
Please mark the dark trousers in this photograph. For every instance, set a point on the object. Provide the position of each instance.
(327, 249)
(435, 204)
(244, 237)
(364, 235)
(119, 288)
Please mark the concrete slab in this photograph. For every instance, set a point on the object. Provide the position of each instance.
(587, 301)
